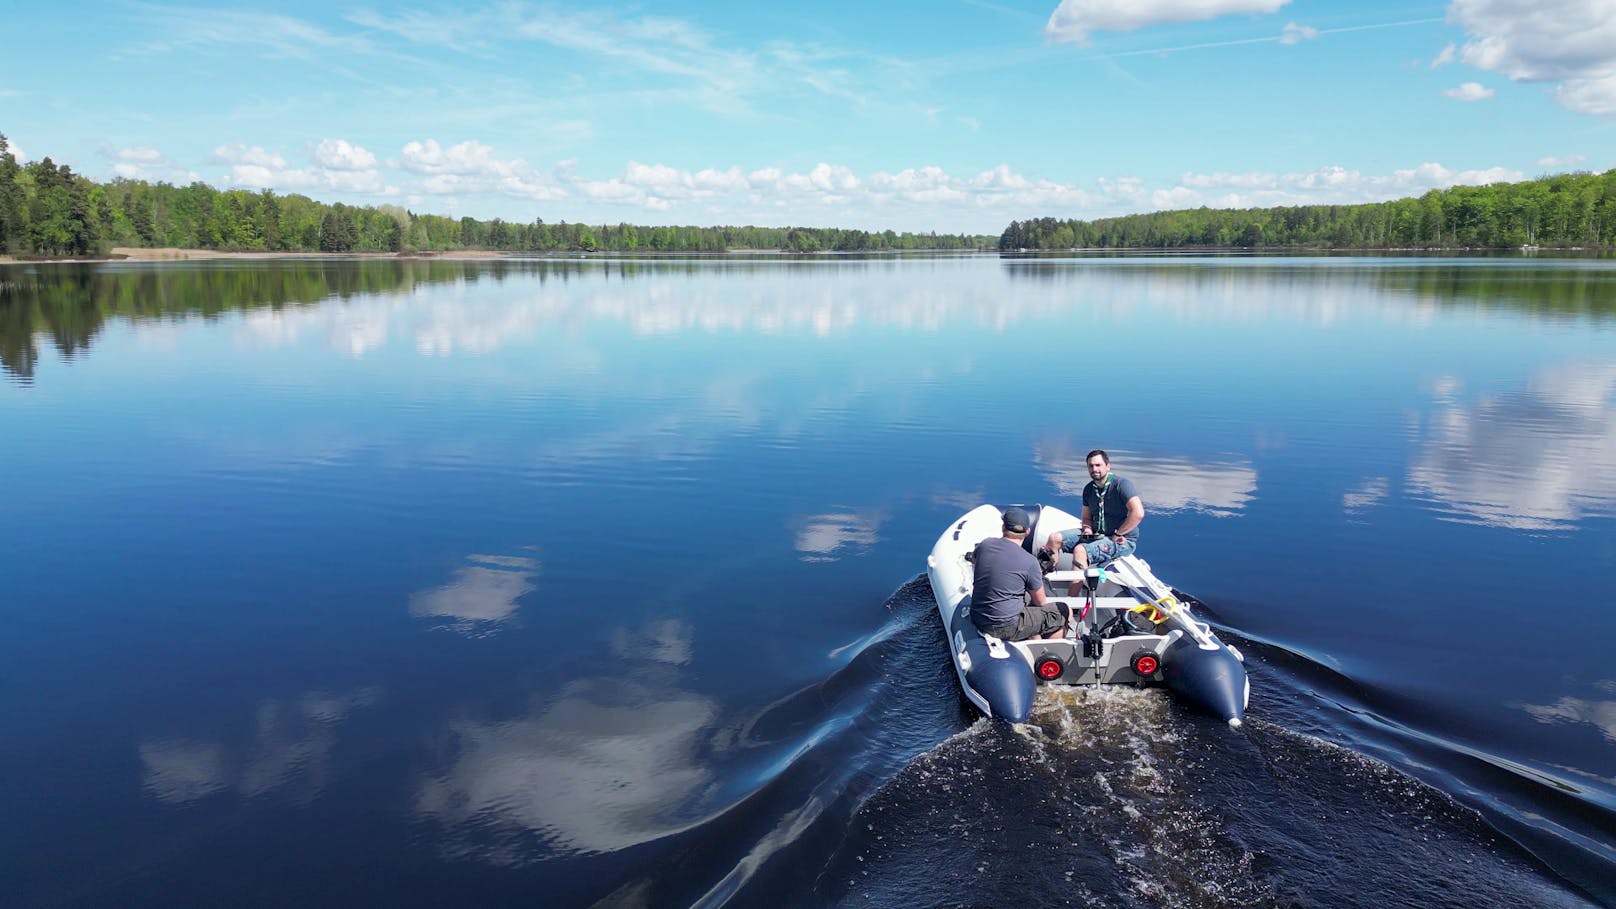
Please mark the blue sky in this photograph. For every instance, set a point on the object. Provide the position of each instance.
(953, 115)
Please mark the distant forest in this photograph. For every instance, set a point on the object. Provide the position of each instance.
(1563, 211)
(48, 210)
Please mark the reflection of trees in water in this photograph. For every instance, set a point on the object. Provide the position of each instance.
(1565, 288)
(72, 302)
(1569, 291)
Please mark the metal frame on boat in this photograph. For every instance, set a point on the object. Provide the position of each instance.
(1129, 628)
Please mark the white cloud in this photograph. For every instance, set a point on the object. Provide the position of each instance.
(679, 57)
(919, 195)
(338, 154)
(1569, 42)
(1326, 185)
(1470, 91)
(1075, 20)
(472, 168)
(468, 158)
(670, 182)
(147, 163)
(1448, 55)
(368, 183)
(244, 154)
(339, 167)
(274, 35)
(1562, 160)
(436, 175)
(141, 155)
(1177, 197)
(1295, 34)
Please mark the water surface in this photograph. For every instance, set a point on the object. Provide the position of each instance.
(579, 582)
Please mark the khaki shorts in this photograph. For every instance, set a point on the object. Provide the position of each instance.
(1034, 622)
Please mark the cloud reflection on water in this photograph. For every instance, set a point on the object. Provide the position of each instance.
(1166, 484)
(1599, 714)
(606, 764)
(1539, 459)
(1370, 492)
(676, 297)
(291, 743)
(823, 537)
(482, 594)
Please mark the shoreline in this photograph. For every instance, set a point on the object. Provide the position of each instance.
(177, 254)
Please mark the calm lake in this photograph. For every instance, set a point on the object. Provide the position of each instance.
(574, 583)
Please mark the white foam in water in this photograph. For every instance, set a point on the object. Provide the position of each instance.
(1135, 795)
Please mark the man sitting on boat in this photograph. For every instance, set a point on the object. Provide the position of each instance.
(1110, 519)
(1007, 599)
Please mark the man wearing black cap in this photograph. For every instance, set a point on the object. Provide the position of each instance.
(1007, 600)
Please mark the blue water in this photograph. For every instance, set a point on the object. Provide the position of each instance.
(600, 582)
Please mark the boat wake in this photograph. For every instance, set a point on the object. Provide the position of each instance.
(1118, 796)
(878, 786)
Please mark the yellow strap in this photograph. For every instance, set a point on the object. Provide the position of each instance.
(1160, 610)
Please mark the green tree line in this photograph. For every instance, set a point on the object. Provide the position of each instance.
(48, 210)
(1561, 211)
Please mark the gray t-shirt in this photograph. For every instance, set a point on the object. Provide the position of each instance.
(1005, 574)
(1107, 515)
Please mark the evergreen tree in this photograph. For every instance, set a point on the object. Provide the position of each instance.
(13, 203)
(337, 232)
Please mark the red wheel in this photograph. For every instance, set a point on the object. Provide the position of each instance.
(1145, 663)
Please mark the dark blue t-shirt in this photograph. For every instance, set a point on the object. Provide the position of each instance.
(1118, 490)
(1005, 574)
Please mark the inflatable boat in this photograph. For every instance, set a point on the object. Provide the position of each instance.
(1128, 628)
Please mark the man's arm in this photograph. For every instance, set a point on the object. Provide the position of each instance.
(1083, 519)
(1037, 597)
(1136, 513)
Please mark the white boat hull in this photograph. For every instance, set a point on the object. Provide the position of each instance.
(1001, 677)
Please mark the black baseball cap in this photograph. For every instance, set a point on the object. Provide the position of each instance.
(1016, 520)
